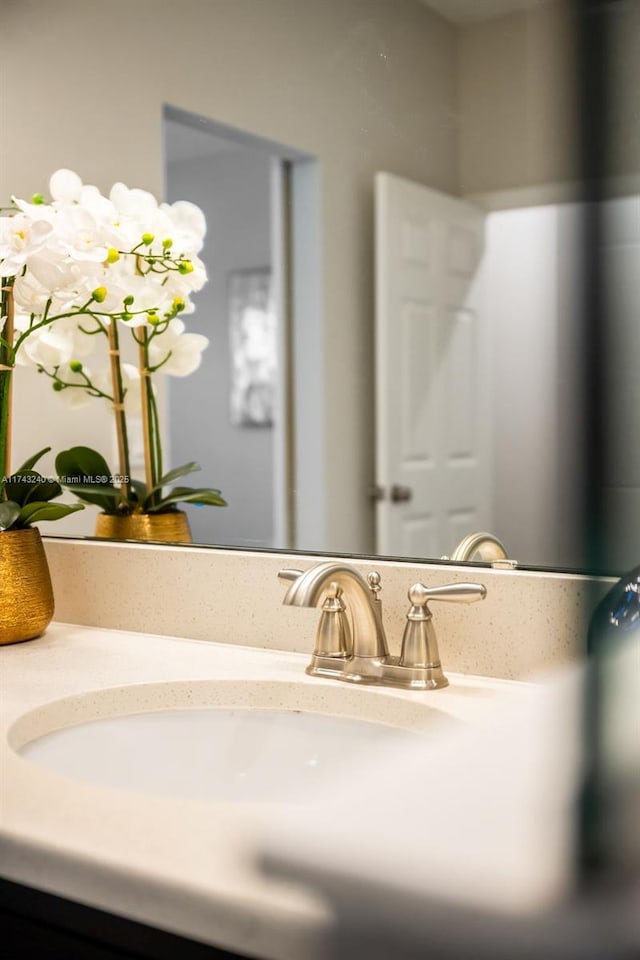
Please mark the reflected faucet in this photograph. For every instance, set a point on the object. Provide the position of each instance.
(361, 655)
(486, 545)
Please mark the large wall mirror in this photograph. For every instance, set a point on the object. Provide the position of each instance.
(392, 196)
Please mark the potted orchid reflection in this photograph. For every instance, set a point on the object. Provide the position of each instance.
(88, 271)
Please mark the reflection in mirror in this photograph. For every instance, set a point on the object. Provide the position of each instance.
(391, 194)
(238, 399)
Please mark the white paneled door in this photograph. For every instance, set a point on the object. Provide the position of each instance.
(432, 371)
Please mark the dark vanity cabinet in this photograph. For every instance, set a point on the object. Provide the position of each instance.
(37, 924)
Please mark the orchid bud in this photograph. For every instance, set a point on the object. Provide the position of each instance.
(185, 266)
(37, 199)
(153, 318)
(75, 366)
(57, 386)
(112, 255)
(147, 239)
(178, 304)
(128, 300)
(99, 294)
(167, 243)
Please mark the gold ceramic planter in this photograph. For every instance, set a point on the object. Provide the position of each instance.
(26, 595)
(172, 527)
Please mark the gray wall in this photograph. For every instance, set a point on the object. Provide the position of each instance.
(522, 312)
(534, 308)
(233, 190)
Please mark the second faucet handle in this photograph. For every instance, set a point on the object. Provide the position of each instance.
(419, 643)
(289, 575)
(451, 592)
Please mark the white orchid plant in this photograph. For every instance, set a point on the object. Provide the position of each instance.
(78, 272)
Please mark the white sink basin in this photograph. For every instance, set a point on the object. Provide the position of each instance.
(270, 742)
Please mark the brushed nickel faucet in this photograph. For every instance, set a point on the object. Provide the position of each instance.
(351, 644)
(486, 545)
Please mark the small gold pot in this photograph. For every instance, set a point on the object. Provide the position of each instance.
(26, 596)
(172, 527)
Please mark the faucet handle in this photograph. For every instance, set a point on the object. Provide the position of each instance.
(289, 575)
(419, 595)
(419, 643)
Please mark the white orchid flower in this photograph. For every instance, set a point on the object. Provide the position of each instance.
(35, 211)
(183, 285)
(138, 216)
(54, 345)
(52, 276)
(99, 206)
(65, 186)
(160, 227)
(147, 296)
(63, 284)
(184, 350)
(49, 347)
(187, 226)
(198, 276)
(30, 297)
(81, 236)
(20, 238)
(134, 203)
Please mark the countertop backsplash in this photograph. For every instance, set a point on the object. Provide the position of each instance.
(530, 622)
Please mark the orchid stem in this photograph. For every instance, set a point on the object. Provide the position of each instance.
(6, 383)
(118, 408)
(148, 408)
(157, 439)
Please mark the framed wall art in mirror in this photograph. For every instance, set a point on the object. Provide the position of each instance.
(252, 339)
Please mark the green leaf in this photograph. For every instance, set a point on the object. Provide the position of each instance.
(9, 513)
(33, 512)
(176, 473)
(25, 486)
(31, 462)
(18, 487)
(104, 503)
(81, 462)
(105, 500)
(81, 470)
(202, 496)
(95, 489)
(168, 478)
(139, 490)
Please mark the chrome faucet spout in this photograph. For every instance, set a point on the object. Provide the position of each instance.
(368, 633)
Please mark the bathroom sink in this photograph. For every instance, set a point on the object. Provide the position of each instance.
(266, 742)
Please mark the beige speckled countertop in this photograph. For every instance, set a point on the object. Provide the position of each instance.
(181, 865)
